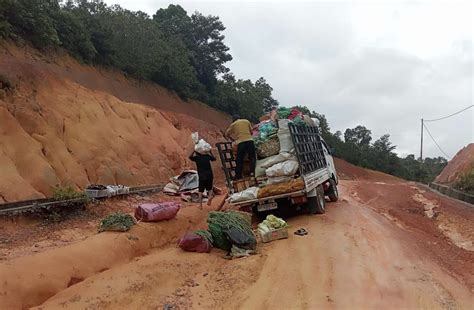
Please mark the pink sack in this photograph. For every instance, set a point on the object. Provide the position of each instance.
(155, 212)
(195, 243)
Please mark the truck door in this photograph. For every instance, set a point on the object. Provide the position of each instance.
(329, 160)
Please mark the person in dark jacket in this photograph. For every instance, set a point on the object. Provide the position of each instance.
(206, 178)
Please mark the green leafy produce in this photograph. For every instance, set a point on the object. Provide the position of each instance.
(275, 222)
(204, 233)
(271, 223)
(219, 221)
(299, 121)
(117, 222)
(283, 112)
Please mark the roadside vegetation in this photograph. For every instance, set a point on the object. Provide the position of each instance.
(67, 193)
(466, 182)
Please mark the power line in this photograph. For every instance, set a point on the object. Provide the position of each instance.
(439, 147)
(441, 118)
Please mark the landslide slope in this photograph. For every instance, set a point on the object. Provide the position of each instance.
(70, 124)
(460, 164)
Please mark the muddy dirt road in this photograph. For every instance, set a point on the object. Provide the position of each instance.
(375, 248)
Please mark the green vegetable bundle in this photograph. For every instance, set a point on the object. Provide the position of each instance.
(206, 234)
(275, 222)
(219, 221)
(117, 222)
(283, 112)
(271, 223)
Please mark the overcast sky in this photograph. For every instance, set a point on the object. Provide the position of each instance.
(384, 65)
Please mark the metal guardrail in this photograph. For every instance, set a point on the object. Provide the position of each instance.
(448, 191)
(46, 203)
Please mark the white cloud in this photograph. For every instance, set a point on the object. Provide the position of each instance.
(381, 64)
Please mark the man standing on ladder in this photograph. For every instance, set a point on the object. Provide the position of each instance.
(240, 131)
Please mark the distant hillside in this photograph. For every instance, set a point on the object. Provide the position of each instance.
(459, 165)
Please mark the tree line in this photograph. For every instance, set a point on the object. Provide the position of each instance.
(182, 52)
(357, 146)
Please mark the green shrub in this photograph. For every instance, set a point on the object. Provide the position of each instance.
(466, 182)
(66, 192)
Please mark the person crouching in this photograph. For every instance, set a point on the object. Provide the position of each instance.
(206, 178)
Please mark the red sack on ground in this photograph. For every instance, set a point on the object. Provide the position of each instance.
(191, 242)
(155, 212)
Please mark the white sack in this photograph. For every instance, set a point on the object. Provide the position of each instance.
(316, 121)
(195, 137)
(262, 164)
(281, 179)
(202, 147)
(248, 194)
(289, 167)
(273, 160)
(286, 144)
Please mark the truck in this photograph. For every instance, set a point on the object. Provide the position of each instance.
(316, 168)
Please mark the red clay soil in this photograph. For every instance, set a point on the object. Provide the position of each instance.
(366, 258)
(348, 171)
(71, 124)
(23, 235)
(448, 235)
(460, 164)
(63, 259)
(377, 248)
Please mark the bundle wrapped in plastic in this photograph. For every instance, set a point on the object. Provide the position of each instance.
(268, 147)
(286, 168)
(196, 242)
(248, 194)
(281, 188)
(266, 129)
(286, 143)
(281, 179)
(200, 146)
(283, 112)
(294, 114)
(195, 137)
(230, 228)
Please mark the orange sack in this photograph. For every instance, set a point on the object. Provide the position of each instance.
(281, 188)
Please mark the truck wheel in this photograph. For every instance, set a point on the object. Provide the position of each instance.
(333, 193)
(317, 204)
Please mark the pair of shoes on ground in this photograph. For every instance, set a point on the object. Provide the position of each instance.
(301, 232)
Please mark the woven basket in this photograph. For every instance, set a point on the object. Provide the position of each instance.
(268, 148)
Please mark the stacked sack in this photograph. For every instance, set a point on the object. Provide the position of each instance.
(279, 171)
(281, 167)
(277, 167)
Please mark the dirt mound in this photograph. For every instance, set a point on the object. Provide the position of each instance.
(71, 124)
(460, 164)
(348, 171)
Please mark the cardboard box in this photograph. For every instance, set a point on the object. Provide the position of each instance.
(276, 234)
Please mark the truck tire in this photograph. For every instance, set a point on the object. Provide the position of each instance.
(317, 204)
(333, 192)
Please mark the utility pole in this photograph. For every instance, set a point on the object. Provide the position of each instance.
(421, 147)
